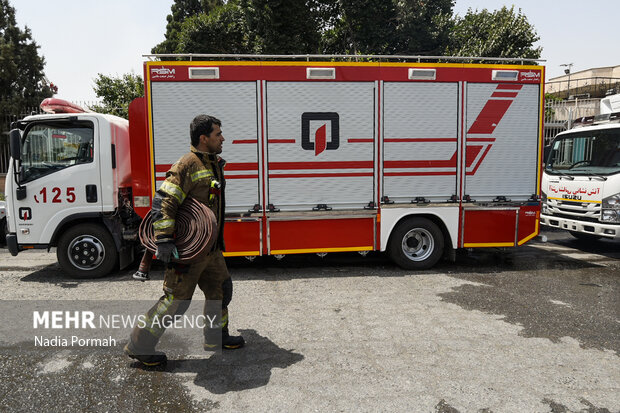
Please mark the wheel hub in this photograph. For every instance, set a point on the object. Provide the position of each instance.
(86, 252)
(418, 244)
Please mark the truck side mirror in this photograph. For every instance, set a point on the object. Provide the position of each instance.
(16, 153)
(15, 143)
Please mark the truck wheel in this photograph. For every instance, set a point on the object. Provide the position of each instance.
(416, 244)
(3, 232)
(584, 237)
(87, 251)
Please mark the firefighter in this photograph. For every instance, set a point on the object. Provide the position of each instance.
(198, 174)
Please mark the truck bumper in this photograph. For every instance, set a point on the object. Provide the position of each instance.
(11, 243)
(611, 231)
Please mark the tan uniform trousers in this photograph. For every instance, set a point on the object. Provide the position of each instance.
(209, 273)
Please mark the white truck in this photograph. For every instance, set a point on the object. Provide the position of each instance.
(416, 159)
(581, 179)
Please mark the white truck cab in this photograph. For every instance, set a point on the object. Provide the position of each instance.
(581, 179)
(66, 190)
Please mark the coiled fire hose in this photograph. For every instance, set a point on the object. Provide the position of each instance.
(195, 230)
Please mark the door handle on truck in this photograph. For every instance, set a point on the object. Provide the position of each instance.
(91, 193)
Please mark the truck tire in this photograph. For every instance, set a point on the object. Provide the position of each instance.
(87, 251)
(3, 232)
(416, 244)
(584, 237)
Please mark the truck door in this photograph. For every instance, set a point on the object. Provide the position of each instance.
(501, 164)
(321, 138)
(60, 171)
(502, 140)
(174, 105)
(420, 141)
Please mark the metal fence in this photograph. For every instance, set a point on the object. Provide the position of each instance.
(5, 128)
(560, 115)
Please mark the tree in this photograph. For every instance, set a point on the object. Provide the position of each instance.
(389, 27)
(251, 26)
(22, 80)
(117, 93)
(422, 26)
(180, 11)
(501, 33)
(361, 27)
(401, 27)
(281, 26)
(223, 30)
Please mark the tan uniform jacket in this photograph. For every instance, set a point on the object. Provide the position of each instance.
(199, 175)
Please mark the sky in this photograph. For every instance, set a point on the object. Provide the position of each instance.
(81, 38)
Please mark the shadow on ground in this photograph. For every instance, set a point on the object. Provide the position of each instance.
(238, 370)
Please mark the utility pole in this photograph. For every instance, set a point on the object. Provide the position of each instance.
(568, 66)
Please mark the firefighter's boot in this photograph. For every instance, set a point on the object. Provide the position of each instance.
(150, 358)
(231, 342)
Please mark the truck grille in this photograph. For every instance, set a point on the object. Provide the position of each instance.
(586, 211)
(582, 218)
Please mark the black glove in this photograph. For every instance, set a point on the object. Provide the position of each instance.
(166, 250)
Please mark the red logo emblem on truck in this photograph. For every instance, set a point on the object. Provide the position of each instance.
(319, 123)
(25, 214)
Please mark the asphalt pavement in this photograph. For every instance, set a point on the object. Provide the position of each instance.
(532, 329)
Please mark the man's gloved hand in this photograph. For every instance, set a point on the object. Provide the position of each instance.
(166, 250)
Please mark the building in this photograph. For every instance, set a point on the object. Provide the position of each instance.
(590, 83)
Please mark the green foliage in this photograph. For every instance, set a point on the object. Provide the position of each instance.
(397, 27)
(251, 26)
(388, 27)
(22, 80)
(501, 33)
(224, 30)
(363, 27)
(423, 27)
(117, 93)
(281, 26)
(180, 11)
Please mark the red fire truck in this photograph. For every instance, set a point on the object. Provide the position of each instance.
(416, 159)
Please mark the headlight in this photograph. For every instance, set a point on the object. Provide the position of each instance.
(610, 209)
(543, 199)
(610, 215)
(611, 202)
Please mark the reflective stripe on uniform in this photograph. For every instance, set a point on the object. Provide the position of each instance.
(173, 190)
(203, 173)
(163, 224)
(154, 324)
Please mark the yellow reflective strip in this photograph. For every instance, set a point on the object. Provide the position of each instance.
(162, 307)
(488, 244)
(313, 250)
(224, 320)
(241, 253)
(575, 200)
(532, 235)
(173, 190)
(204, 173)
(163, 223)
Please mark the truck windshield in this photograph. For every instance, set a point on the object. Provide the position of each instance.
(595, 152)
(47, 148)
